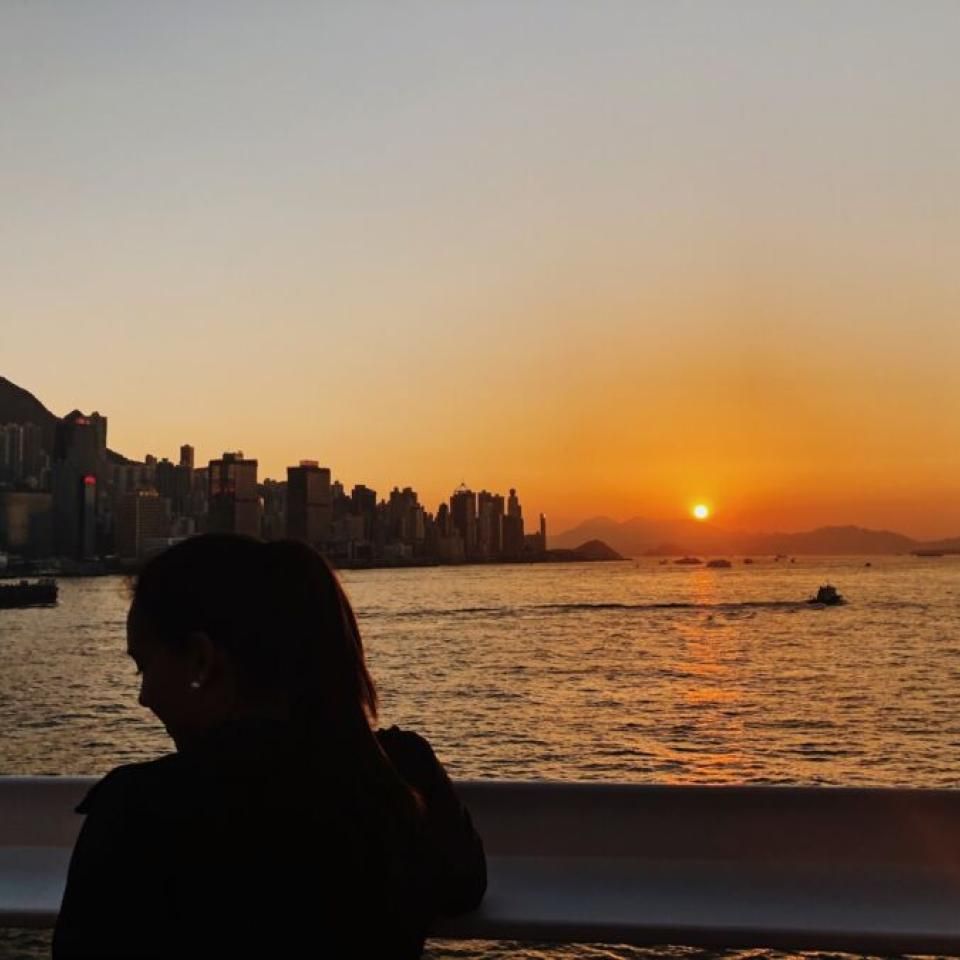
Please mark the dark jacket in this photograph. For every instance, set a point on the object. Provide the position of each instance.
(255, 846)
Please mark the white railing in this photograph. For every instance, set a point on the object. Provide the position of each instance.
(861, 870)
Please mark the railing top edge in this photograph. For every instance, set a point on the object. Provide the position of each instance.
(588, 786)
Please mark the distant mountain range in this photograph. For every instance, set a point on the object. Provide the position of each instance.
(639, 537)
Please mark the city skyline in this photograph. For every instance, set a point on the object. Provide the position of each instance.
(163, 473)
(627, 257)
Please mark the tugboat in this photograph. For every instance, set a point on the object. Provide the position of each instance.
(24, 593)
(720, 563)
(827, 596)
(689, 561)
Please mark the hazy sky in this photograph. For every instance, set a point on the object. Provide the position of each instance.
(621, 255)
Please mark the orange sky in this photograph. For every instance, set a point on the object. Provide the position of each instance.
(620, 256)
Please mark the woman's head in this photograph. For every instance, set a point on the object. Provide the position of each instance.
(225, 627)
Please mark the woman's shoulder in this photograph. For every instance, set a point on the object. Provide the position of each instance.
(128, 785)
(411, 754)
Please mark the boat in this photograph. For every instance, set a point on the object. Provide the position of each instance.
(27, 593)
(719, 564)
(827, 596)
(748, 559)
(688, 561)
(928, 553)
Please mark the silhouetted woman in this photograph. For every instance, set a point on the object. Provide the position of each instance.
(284, 825)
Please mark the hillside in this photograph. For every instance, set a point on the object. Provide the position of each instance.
(20, 406)
(639, 536)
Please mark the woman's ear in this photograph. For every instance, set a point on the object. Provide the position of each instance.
(203, 657)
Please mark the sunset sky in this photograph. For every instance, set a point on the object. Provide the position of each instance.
(624, 256)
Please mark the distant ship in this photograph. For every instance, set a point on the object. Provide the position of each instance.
(689, 561)
(719, 563)
(827, 596)
(928, 553)
(748, 560)
(24, 593)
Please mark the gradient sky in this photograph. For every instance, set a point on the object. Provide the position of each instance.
(623, 256)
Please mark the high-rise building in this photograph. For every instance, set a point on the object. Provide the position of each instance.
(309, 503)
(364, 504)
(463, 515)
(186, 456)
(513, 529)
(273, 514)
(405, 519)
(26, 523)
(11, 453)
(233, 503)
(166, 478)
(489, 525)
(141, 516)
(80, 463)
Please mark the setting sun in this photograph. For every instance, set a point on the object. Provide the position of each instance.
(701, 511)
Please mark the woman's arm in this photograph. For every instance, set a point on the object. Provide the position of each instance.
(109, 907)
(457, 864)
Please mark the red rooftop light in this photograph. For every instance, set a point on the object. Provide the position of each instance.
(90, 480)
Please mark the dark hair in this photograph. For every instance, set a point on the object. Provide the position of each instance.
(281, 616)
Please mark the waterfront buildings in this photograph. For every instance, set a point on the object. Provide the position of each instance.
(142, 518)
(309, 503)
(79, 469)
(233, 500)
(64, 494)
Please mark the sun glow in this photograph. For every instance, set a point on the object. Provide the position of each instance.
(701, 511)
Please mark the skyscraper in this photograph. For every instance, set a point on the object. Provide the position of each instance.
(489, 524)
(80, 448)
(364, 504)
(309, 503)
(233, 503)
(463, 515)
(186, 456)
(141, 516)
(513, 529)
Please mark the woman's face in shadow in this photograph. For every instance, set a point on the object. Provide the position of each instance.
(182, 683)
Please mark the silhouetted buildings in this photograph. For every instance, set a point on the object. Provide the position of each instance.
(79, 466)
(309, 503)
(233, 503)
(26, 523)
(142, 521)
(513, 529)
(489, 525)
(273, 509)
(65, 497)
(463, 517)
(23, 460)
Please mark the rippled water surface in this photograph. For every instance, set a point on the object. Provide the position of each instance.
(627, 671)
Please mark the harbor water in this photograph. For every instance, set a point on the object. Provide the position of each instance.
(634, 672)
